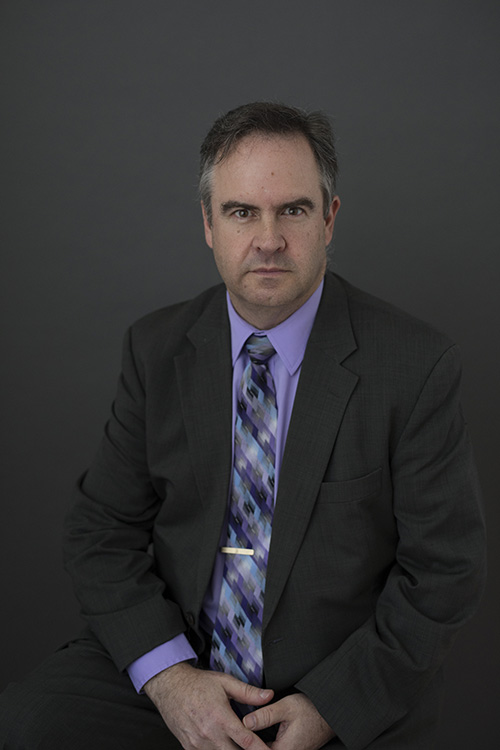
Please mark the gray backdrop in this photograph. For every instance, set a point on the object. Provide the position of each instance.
(104, 105)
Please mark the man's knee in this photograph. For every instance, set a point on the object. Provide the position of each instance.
(21, 719)
(39, 716)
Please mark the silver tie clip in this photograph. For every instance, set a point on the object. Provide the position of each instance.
(236, 551)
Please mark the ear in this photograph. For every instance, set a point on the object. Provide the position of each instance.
(330, 219)
(206, 226)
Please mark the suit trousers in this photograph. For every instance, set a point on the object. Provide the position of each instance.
(78, 700)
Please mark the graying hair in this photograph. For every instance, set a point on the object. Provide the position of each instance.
(269, 119)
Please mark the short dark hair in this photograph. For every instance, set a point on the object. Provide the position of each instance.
(269, 118)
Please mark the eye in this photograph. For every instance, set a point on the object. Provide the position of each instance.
(294, 211)
(242, 213)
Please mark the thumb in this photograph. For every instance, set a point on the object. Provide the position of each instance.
(263, 718)
(249, 694)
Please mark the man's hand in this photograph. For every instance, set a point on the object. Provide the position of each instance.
(301, 726)
(194, 704)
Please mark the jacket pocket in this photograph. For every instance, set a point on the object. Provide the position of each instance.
(351, 490)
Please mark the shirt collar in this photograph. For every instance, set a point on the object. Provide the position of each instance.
(289, 338)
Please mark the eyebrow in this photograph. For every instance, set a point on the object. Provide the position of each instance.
(230, 205)
(304, 201)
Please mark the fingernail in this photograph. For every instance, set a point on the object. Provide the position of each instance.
(265, 693)
(249, 722)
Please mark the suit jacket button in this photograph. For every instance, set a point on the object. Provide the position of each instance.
(190, 619)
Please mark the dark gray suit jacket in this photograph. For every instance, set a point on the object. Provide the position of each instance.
(377, 552)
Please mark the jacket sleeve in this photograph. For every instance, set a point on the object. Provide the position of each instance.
(435, 583)
(108, 532)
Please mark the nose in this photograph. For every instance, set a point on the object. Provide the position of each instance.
(268, 237)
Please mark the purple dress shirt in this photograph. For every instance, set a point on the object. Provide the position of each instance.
(290, 340)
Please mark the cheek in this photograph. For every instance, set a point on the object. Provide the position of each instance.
(227, 262)
(309, 244)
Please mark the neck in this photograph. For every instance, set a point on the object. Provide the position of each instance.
(263, 318)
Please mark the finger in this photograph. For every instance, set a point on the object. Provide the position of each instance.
(225, 731)
(248, 694)
(248, 740)
(243, 737)
(263, 718)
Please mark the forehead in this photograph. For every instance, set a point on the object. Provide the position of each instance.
(268, 164)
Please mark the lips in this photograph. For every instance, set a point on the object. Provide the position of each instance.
(269, 271)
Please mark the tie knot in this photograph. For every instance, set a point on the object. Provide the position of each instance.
(259, 349)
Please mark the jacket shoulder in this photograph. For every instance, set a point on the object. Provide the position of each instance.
(383, 324)
(167, 326)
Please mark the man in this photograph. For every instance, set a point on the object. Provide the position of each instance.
(280, 535)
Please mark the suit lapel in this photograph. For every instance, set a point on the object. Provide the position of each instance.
(322, 395)
(204, 378)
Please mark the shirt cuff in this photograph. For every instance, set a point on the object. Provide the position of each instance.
(155, 661)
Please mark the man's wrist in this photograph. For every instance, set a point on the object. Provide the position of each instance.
(161, 681)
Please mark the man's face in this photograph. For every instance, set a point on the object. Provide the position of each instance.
(269, 232)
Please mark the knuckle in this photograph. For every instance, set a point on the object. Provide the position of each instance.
(250, 691)
(203, 732)
(246, 740)
(247, 691)
(266, 717)
(262, 718)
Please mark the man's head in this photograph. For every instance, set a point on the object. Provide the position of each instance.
(268, 119)
(268, 214)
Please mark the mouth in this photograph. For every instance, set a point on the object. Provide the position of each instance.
(272, 271)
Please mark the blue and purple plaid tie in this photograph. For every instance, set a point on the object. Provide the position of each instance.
(236, 639)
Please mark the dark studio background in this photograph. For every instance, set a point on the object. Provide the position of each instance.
(104, 105)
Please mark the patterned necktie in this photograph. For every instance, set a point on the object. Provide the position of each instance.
(236, 639)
